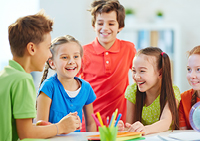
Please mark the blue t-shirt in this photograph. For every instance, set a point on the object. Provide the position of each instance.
(62, 104)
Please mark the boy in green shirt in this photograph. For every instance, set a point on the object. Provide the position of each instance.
(30, 40)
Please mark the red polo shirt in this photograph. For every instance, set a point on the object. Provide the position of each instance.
(107, 73)
(184, 108)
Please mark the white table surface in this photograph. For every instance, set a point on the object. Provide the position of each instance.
(82, 136)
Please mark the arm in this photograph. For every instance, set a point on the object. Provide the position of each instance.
(130, 112)
(67, 124)
(182, 119)
(129, 117)
(162, 125)
(43, 107)
(89, 121)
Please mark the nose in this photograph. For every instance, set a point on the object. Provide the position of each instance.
(105, 26)
(71, 61)
(136, 76)
(193, 74)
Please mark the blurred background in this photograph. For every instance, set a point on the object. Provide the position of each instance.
(172, 25)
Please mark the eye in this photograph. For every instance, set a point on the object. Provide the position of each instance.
(111, 24)
(64, 57)
(100, 23)
(76, 56)
(198, 69)
(142, 71)
(133, 70)
(188, 69)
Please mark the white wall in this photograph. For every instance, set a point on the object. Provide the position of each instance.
(10, 11)
(71, 17)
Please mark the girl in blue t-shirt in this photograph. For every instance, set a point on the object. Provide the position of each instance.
(63, 93)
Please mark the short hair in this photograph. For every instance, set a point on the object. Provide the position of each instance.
(106, 6)
(31, 28)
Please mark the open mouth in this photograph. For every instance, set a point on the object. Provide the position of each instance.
(140, 83)
(105, 34)
(71, 68)
(194, 83)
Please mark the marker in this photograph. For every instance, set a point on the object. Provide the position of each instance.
(118, 118)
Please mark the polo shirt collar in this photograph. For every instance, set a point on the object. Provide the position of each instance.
(99, 49)
(16, 65)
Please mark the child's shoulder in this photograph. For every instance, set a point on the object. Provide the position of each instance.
(187, 93)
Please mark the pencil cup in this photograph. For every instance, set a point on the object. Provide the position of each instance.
(108, 133)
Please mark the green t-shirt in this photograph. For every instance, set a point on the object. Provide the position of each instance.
(17, 99)
(151, 113)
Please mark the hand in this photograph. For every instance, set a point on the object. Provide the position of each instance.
(69, 123)
(120, 125)
(135, 127)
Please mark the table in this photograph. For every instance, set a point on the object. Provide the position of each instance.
(82, 136)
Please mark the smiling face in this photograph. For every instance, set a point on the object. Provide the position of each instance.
(193, 74)
(145, 73)
(106, 28)
(67, 60)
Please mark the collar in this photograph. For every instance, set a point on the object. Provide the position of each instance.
(99, 49)
(16, 65)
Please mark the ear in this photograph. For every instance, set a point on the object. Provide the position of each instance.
(31, 48)
(120, 29)
(51, 63)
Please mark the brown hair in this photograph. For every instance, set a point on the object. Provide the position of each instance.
(59, 41)
(167, 92)
(195, 50)
(28, 29)
(106, 6)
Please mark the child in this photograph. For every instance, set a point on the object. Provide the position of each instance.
(64, 93)
(152, 100)
(190, 97)
(30, 40)
(107, 60)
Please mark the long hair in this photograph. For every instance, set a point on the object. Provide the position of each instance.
(58, 41)
(195, 50)
(167, 92)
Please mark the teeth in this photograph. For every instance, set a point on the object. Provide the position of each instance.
(140, 82)
(70, 68)
(105, 33)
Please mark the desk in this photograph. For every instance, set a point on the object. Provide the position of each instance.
(82, 136)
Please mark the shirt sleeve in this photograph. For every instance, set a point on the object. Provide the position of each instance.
(47, 88)
(24, 99)
(182, 119)
(130, 93)
(177, 93)
(91, 96)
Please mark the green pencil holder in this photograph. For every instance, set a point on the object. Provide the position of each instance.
(108, 133)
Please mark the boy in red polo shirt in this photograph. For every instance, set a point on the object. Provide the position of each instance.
(107, 60)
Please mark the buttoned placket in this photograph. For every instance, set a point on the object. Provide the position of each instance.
(107, 62)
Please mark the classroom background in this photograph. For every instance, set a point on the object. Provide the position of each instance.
(172, 25)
